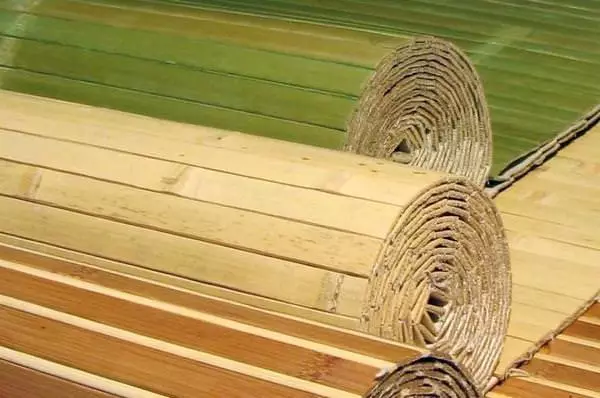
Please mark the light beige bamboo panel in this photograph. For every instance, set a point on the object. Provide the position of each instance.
(401, 253)
(553, 226)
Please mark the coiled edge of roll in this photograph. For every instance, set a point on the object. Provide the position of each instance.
(431, 375)
(425, 106)
(442, 279)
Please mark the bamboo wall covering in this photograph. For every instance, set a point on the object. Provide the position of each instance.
(295, 70)
(405, 254)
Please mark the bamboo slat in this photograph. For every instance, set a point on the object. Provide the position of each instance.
(426, 267)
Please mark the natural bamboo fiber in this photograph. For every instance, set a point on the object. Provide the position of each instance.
(411, 255)
(425, 106)
(431, 375)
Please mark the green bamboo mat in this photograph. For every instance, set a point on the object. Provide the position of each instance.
(255, 66)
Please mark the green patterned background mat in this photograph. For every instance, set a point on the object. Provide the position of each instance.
(293, 70)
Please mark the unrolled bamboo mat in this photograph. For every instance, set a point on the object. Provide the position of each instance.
(292, 69)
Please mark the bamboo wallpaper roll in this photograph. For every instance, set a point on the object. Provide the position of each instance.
(409, 255)
(415, 99)
(424, 106)
(430, 375)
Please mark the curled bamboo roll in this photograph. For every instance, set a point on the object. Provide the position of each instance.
(411, 255)
(425, 106)
(431, 375)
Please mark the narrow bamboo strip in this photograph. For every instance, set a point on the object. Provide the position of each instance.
(431, 375)
(430, 268)
(530, 388)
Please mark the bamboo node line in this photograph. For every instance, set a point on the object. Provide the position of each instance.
(442, 279)
(424, 106)
(431, 375)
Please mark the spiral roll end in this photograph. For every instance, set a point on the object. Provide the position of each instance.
(425, 106)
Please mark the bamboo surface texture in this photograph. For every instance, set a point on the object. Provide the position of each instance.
(295, 70)
(401, 253)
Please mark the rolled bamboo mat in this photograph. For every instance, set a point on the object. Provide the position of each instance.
(405, 254)
(296, 70)
(430, 375)
(423, 103)
(135, 338)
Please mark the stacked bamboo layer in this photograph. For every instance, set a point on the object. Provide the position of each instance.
(133, 338)
(405, 254)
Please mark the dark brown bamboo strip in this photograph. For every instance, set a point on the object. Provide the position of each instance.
(129, 363)
(365, 345)
(593, 312)
(572, 351)
(570, 374)
(20, 382)
(583, 330)
(523, 388)
(210, 338)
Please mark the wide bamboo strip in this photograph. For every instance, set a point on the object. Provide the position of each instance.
(18, 381)
(431, 375)
(424, 104)
(430, 268)
(48, 301)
